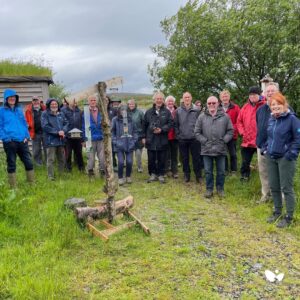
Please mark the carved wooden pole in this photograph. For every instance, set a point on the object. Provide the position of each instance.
(110, 184)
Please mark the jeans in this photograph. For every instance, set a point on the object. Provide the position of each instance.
(156, 162)
(59, 152)
(12, 149)
(232, 155)
(281, 179)
(38, 147)
(128, 156)
(209, 172)
(194, 147)
(97, 148)
(247, 154)
(138, 156)
(76, 146)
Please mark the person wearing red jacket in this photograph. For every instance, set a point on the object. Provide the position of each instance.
(172, 154)
(33, 114)
(232, 111)
(246, 125)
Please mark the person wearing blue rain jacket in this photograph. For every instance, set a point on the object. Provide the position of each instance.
(282, 150)
(96, 136)
(15, 135)
(124, 138)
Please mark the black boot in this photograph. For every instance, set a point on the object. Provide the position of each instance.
(274, 217)
(187, 177)
(285, 222)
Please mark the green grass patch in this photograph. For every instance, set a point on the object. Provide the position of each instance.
(197, 249)
(12, 67)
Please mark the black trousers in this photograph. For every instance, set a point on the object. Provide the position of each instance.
(194, 147)
(247, 154)
(157, 162)
(172, 156)
(76, 146)
(231, 146)
(12, 149)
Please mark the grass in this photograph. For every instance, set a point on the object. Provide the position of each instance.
(198, 249)
(11, 67)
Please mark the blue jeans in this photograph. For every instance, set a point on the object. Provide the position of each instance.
(12, 149)
(121, 156)
(209, 171)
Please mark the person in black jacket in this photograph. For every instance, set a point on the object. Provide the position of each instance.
(157, 123)
(74, 117)
(55, 127)
(184, 122)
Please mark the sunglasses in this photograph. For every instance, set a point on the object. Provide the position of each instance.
(212, 103)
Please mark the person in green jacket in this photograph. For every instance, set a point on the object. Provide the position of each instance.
(137, 117)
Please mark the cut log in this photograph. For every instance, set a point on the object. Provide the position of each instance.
(100, 212)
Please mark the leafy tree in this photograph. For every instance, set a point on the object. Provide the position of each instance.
(58, 91)
(214, 45)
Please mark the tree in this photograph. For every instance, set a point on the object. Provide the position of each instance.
(214, 45)
(58, 91)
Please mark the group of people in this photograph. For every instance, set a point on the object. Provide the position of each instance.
(205, 133)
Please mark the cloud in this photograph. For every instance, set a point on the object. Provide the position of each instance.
(87, 41)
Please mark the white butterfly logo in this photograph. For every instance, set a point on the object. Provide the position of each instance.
(273, 276)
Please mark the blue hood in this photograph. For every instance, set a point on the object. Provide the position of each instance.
(9, 93)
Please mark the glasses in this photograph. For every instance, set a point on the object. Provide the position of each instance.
(212, 103)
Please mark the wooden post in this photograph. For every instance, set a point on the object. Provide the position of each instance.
(110, 184)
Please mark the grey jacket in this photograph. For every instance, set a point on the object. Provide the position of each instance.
(184, 122)
(214, 132)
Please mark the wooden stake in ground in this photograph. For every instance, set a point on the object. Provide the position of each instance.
(110, 184)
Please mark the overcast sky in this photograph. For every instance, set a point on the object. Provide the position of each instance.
(86, 41)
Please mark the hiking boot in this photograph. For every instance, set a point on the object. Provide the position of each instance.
(221, 193)
(152, 178)
(274, 217)
(30, 176)
(169, 174)
(285, 222)
(208, 194)
(244, 178)
(12, 180)
(91, 173)
(199, 180)
(187, 177)
(140, 170)
(161, 179)
(121, 181)
(175, 175)
(129, 180)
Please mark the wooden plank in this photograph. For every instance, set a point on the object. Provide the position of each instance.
(119, 228)
(106, 224)
(144, 227)
(96, 232)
